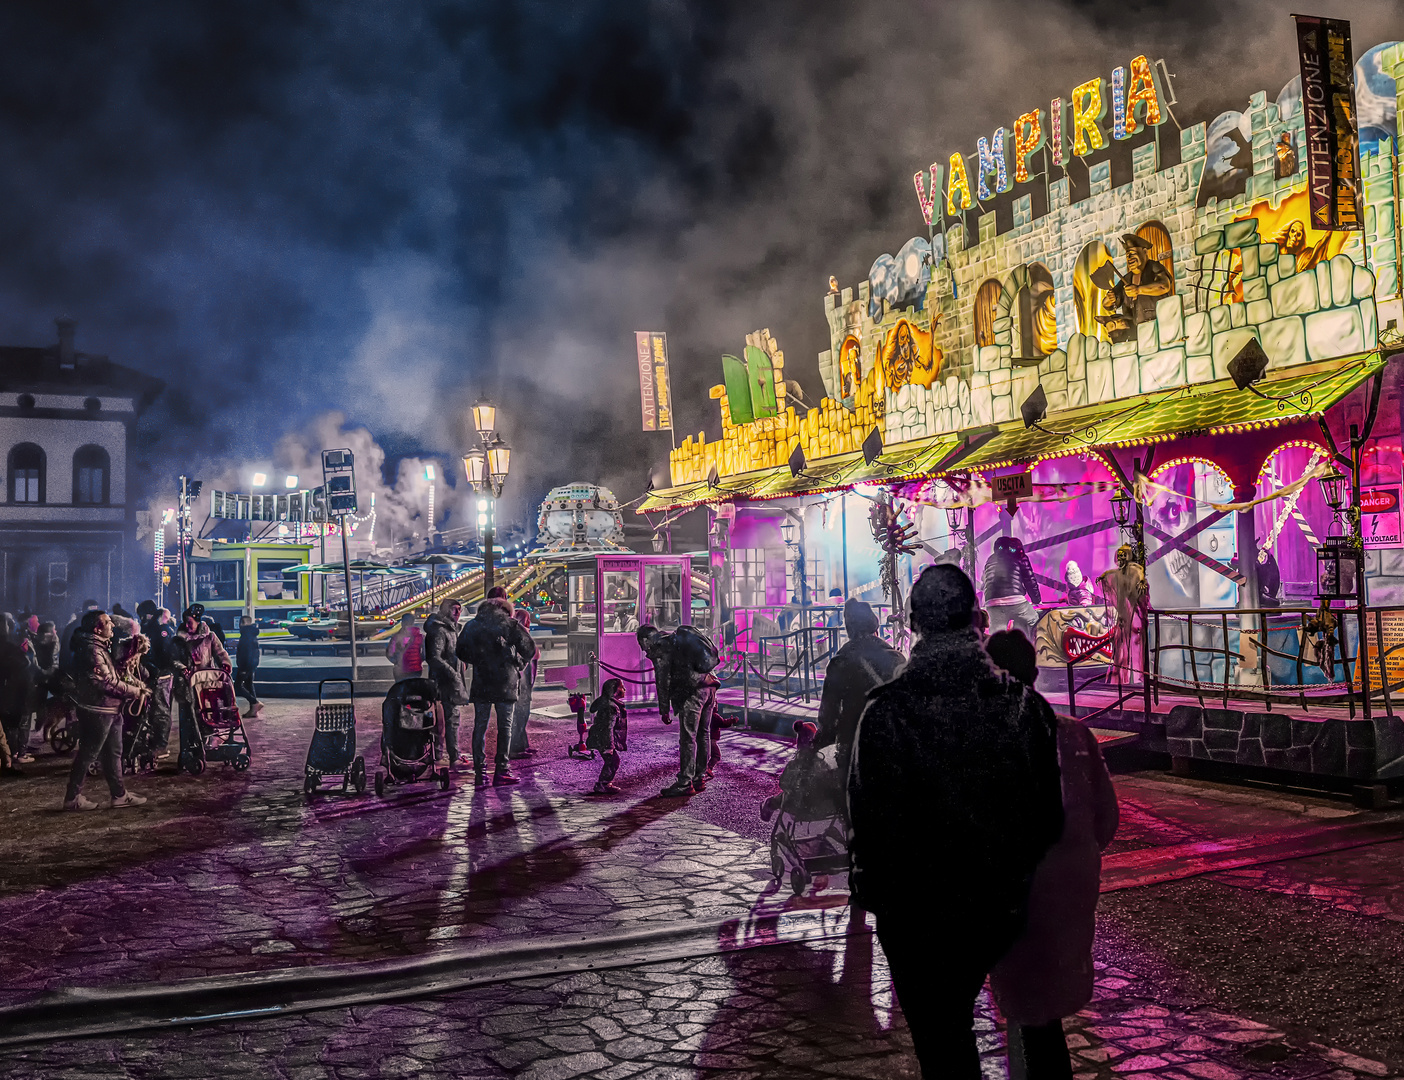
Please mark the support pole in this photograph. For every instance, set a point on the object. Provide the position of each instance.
(350, 607)
(843, 528)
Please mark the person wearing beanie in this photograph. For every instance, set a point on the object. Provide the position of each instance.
(247, 655)
(864, 661)
(1011, 589)
(965, 757)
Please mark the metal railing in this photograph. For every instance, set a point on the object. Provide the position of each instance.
(1268, 655)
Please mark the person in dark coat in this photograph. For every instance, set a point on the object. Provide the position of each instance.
(1048, 973)
(953, 798)
(17, 688)
(246, 656)
(102, 695)
(682, 665)
(15, 682)
(159, 629)
(521, 710)
(447, 670)
(609, 733)
(864, 661)
(497, 647)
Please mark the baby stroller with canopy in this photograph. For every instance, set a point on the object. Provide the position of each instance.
(333, 748)
(810, 837)
(412, 733)
(221, 729)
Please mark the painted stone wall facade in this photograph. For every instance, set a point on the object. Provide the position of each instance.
(1232, 283)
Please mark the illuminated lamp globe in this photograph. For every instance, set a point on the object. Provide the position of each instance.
(475, 466)
(1334, 486)
(485, 420)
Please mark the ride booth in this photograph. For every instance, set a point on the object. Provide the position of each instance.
(609, 596)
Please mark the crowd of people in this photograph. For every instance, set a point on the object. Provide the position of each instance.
(975, 820)
(974, 817)
(106, 679)
(489, 663)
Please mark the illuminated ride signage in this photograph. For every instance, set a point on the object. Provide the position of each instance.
(1071, 128)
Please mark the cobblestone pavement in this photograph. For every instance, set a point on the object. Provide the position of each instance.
(231, 872)
(1260, 971)
(821, 1010)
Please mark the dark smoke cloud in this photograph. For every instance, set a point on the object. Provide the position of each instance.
(286, 209)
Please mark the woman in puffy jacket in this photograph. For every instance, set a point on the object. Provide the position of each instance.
(1010, 588)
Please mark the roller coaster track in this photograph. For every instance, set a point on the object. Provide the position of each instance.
(468, 588)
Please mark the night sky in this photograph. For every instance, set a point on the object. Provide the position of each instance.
(386, 209)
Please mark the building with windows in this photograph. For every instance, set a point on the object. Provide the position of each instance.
(67, 520)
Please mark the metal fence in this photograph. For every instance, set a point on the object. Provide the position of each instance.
(1274, 655)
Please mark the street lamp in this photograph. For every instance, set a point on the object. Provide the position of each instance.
(486, 468)
(290, 482)
(259, 479)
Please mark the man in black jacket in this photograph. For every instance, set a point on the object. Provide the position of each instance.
(447, 670)
(246, 657)
(682, 664)
(864, 662)
(497, 647)
(954, 797)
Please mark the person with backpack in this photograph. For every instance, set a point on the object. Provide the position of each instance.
(406, 649)
(682, 665)
(497, 647)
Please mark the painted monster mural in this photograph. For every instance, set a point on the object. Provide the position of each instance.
(1140, 288)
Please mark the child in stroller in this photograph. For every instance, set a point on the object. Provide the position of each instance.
(810, 838)
(412, 736)
(220, 727)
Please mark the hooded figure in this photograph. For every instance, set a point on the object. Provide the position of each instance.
(964, 757)
(447, 670)
(497, 647)
(521, 709)
(864, 662)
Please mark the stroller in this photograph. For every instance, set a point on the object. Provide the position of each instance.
(412, 730)
(333, 748)
(60, 716)
(810, 837)
(139, 747)
(221, 729)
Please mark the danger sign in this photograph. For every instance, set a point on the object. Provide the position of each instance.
(1379, 517)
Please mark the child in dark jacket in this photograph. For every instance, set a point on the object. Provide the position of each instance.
(609, 733)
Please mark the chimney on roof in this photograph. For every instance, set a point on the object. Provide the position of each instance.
(66, 329)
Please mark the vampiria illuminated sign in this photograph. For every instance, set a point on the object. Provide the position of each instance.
(1068, 128)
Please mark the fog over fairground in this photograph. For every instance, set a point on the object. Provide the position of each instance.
(383, 210)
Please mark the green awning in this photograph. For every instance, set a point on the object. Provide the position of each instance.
(1216, 407)
(1208, 408)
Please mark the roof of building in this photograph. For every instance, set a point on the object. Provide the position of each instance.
(58, 369)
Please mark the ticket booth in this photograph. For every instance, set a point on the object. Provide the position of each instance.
(609, 596)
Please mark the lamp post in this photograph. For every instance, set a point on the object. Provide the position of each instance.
(486, 468)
